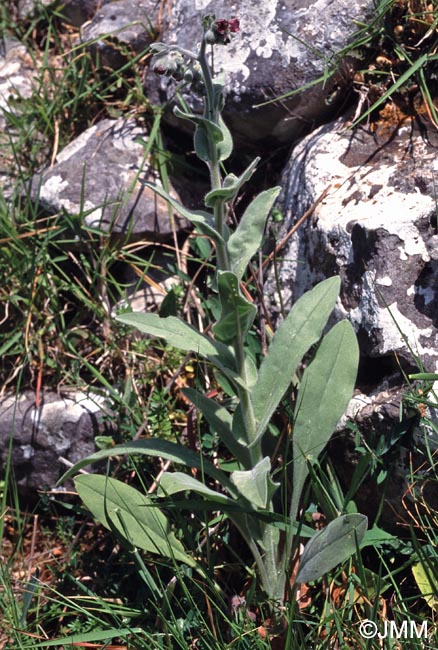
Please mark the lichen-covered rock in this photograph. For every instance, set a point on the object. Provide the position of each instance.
(274, 53)
(121, 26)
(376, 228)
(97, 176)
(62, 427)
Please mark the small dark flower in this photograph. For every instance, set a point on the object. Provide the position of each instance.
(234, 25)
(221, 26)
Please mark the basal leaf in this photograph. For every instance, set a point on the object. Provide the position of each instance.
(325, 390)
(301, 329)
(86, 637)
(132, 514)
(174, 482)
(237, 314)
(331, 546)
(157, 447)
(248, 236)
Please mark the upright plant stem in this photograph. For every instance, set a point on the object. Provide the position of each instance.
(212, 113)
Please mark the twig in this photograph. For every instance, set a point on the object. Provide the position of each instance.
(308, 213)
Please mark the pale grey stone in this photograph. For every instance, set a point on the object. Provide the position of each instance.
(63, 427)
(98, 177)
(118, 26)
(376, 228)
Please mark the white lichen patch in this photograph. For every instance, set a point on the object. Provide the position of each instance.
(352, 197)
(28, 451)
(386, 281)
(53, 187)
(397, 328)
(272, 27)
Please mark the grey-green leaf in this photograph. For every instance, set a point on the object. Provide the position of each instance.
(158, 448)
(132, 514)
(225, 146)
(325, 390)
(180, 335)
(214, 130)
(331, 546)
(301, 329)
(256, 484)
(248, 236)
(174, 482)
(237, 314)
(202, 144)
(204, 221)
(228, 192)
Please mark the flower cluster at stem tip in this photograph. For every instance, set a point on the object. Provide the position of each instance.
(171, 62)
(220, 31)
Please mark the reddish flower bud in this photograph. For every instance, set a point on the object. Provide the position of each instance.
(234, 25)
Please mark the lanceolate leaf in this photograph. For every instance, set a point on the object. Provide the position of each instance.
(133, 515)
(331, 546)
(298, 332)
(214, 131)
(202, 142)
(181, 335)
(239, 510)
(157, 447)
(237, 314)
(204, 221)
(247, 238)
(87, 637)
(325, 390)
(174, 482)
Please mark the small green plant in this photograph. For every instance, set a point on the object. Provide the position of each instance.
(256, 496)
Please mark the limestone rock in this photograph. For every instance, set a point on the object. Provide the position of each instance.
(118, 26)
(62, 427)
(376, 228)
(97, 176)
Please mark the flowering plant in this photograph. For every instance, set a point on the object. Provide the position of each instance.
(247, 494)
